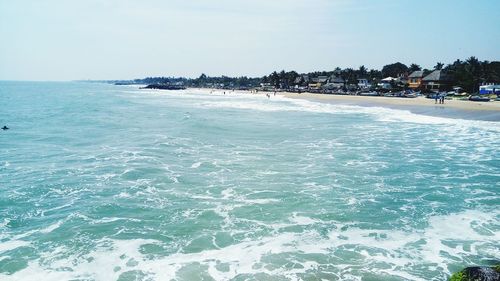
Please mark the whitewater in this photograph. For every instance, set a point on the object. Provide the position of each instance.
(104, 182)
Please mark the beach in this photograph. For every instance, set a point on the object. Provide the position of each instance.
(487, 111)
(419, 101)
(457, 109)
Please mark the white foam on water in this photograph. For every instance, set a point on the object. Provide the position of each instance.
(352, 201)
(124, 195)
(249, 105)
(383, 114)
(297, 219)
(399, 250)
(111, 219)
(260, 201)
(196, 165)
(5, 222)
(51, 227)
(393, 115)
(12, 244)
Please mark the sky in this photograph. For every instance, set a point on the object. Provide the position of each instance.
(125, 39)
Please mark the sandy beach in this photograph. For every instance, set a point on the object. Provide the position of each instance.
(459, 109)
(420, 101)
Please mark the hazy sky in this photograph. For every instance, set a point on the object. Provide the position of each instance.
(123, 39)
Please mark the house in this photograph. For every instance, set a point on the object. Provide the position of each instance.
(301, 80)
(314, 86)
(320, 79)
(435, 81)
(317, 82)
(386, 83)
(364, 84)
(402, 78)
(334, 82)
(415, 79)
(267, 87)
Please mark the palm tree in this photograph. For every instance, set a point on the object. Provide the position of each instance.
(362, 71)
(439, 66)
(414, 67)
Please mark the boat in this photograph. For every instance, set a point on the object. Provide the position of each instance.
(478, 98)
(410, 95)
(368, 93)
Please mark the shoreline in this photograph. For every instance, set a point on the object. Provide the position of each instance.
(456, 109)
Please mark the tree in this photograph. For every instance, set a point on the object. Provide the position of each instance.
(414, 67)
(394, 70)
(439, 66)
(375, 74)
(350, 76)
(471, 73)
(362, 71)
(275, 79)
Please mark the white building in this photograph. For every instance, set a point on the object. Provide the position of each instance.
(364, 84)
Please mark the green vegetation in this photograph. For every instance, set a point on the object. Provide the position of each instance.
(468, 75)
(458, 276)
(477, 274)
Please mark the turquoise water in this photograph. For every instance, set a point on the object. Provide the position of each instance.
(103, 182)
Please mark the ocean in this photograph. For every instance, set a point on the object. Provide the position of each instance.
(104, 182)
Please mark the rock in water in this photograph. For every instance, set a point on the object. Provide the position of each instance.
(477, 273)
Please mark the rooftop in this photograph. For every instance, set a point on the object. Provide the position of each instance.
(436, 75)
(417, 74)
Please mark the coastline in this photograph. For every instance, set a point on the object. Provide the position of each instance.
(456, 109)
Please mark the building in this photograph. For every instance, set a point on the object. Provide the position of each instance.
(317, 82)
(320, 79)
(267, 87)
(415, 79)
(335, 82)
(364, 84)
(386, 83)
(301, 80)
(314, 86)
(435, 81)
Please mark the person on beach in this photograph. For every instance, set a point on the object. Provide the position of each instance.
(442, 98)
(436, 97)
